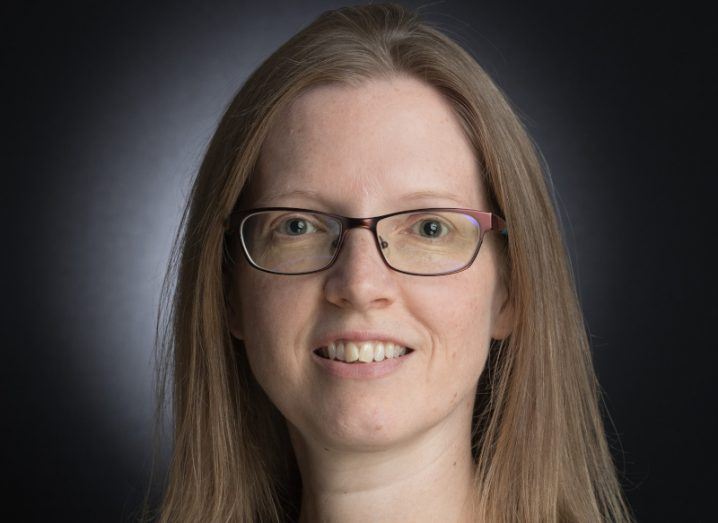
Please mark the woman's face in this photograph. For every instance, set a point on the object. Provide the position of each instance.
(359, 152)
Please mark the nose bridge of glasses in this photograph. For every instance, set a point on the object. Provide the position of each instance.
(360, 223)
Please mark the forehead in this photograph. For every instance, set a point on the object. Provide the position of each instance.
(361, 150)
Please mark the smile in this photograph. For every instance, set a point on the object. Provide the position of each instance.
(361, 351)
(362, 360)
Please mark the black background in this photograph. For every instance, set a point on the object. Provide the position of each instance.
(108, 108)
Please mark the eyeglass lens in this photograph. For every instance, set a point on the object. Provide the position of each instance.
(421, 242)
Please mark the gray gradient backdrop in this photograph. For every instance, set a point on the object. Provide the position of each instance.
(109, 108)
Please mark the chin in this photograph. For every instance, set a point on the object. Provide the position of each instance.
(370, 428)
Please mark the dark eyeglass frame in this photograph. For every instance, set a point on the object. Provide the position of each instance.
(487, 222)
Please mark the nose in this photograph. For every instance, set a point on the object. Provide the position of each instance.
(359, 278)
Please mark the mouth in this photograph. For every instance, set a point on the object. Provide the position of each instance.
(363, 352)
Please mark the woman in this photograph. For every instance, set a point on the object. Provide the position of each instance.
(430, 364)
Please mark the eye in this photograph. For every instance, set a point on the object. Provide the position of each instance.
(295, 226)
(431, 228)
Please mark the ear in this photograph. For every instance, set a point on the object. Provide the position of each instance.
(234, 317)
(504, 316)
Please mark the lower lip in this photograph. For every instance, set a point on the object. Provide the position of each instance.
(375, 369)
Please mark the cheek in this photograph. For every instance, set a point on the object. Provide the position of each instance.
(273, 318)
(457, 315)
(267, 306)
(458, 310)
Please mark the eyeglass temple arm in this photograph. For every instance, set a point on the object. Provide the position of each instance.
(499, 224)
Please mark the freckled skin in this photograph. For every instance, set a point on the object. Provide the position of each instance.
(357, 146)
(363, 148)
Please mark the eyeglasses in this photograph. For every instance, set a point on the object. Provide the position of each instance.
(422, 242)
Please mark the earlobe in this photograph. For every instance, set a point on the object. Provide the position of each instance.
(236, 331)
(504, 320)
(234, 321)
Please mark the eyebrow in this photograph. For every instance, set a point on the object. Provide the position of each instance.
(416, 195)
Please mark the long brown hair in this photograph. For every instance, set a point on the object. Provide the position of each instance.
(539, 442)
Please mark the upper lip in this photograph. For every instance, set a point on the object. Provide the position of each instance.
(360, 335)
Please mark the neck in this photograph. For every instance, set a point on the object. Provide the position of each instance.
(427, 479)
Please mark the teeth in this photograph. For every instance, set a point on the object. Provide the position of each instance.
(379, 352)
(351, 352)
(364, 352)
